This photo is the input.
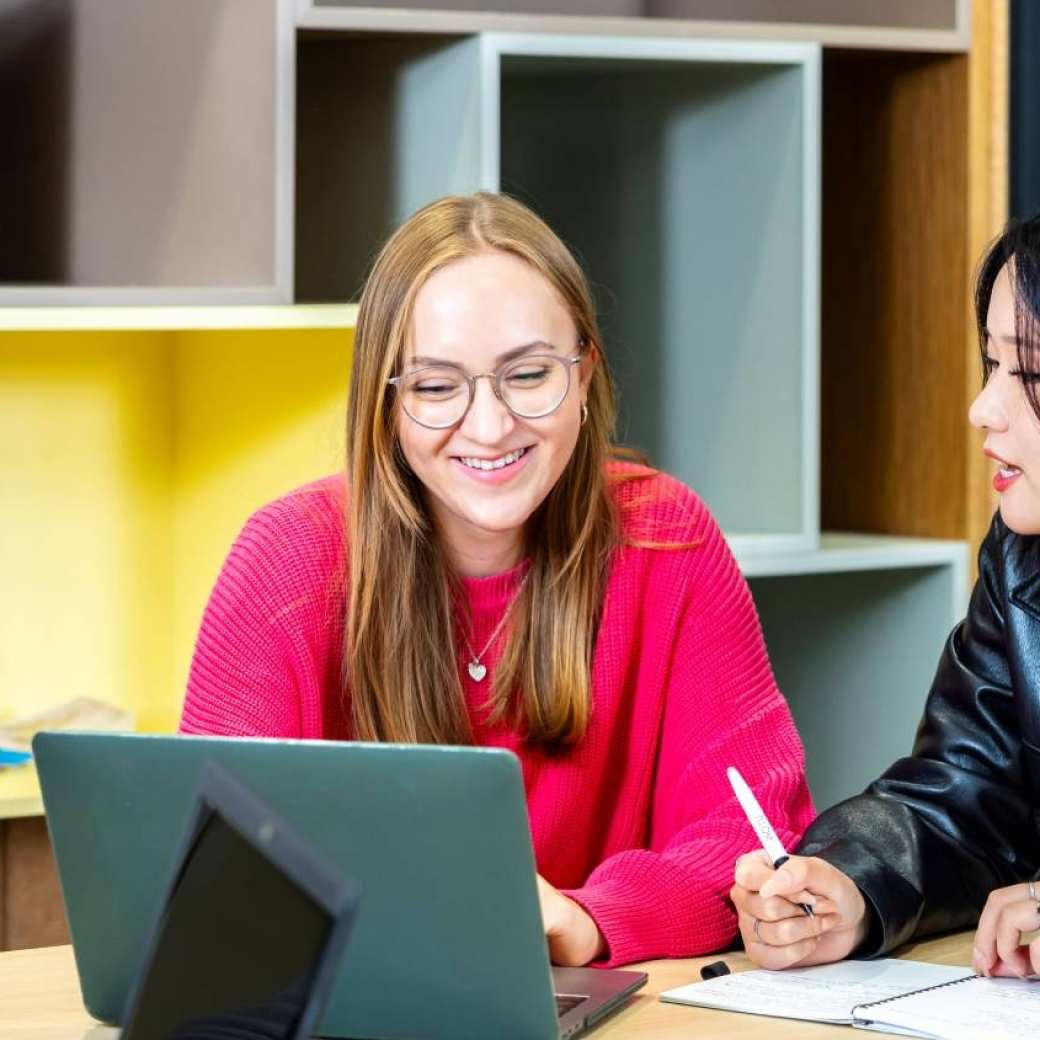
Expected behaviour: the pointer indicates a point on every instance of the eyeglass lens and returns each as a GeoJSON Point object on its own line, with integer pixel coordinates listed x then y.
{"type": "Point", "coordinates": [530, 387]}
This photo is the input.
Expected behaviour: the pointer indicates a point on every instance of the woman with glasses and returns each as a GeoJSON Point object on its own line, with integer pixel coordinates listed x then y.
{"type": "Point", "coordinates": [490, 572]}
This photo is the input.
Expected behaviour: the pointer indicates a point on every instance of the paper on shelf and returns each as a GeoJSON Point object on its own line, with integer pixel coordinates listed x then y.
{"type": "Point", "coordinates": [81, 713]}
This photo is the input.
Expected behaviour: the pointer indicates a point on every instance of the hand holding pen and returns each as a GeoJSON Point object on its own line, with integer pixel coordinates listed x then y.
{"type": "Point", "coordinates": [792, 910]}
{"type": "Point", "coordinates": [760, 825]}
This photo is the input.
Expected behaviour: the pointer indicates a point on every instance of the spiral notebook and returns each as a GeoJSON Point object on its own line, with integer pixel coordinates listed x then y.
{"type": "Point", "coordinates": [910, 998]}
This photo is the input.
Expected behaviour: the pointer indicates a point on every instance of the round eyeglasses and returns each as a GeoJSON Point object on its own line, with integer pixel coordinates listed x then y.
{"type": "Point", "coordinates": [439, 396]}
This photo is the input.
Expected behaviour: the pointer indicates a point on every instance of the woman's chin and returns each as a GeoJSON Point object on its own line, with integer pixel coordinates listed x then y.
{"type": "Point", "coordinates": [499, 523]}
{"type": "Point", "coordinates": [1020, 512]}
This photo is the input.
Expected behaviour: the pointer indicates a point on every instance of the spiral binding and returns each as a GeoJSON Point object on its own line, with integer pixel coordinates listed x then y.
{"type": "Point", "coordinates": [914, 993]}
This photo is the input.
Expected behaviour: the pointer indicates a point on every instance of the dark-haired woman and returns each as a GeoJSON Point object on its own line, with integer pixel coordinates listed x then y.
{"type": "Point", "coordinates": [489, 572]}
{"type": "Point", "coordinates": [953, 831]}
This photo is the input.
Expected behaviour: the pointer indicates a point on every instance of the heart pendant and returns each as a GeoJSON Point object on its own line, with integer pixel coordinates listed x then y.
{"type": "Point", "coordinates": [476, 671]}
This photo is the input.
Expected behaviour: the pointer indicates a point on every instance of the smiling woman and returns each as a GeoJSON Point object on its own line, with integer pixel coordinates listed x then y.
{"type": "Point", "coordinates": [516, 431]}
{"type": "Point", "coordinates": [491, 570]}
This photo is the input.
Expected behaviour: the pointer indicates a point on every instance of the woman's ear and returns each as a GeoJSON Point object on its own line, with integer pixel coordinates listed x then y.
{"type": "Point", "coordinates": [589, 361]}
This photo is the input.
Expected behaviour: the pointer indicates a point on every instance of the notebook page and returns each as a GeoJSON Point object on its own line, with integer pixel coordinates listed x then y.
{"type": "Point", "coordinates": [826, 993]}
{"type": "Point", "coordinates": [977, 1009]}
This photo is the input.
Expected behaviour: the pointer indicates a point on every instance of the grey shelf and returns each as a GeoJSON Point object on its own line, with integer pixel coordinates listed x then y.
{"type": "Point", "coordinates": [149, 147]}
{"type": "Point", "coordinates": [683, 172]}
{"type": "Point", "coordinates": [147, 152]}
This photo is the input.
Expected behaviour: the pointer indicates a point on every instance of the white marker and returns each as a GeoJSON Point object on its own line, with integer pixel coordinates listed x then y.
{"type": "Point", "coordinates": [760, 825]}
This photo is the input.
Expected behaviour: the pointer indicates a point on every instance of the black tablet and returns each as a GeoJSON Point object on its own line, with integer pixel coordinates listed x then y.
{"type": "Point", "coordinates": [251, 930]}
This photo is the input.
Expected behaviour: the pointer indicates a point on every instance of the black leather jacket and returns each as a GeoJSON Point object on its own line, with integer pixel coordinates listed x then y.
{"type": "Point", "coordinates": [928, 841]}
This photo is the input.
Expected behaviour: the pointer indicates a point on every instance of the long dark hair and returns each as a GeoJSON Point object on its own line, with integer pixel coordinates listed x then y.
{"type": "Point", "coordinates": [1020, 242]}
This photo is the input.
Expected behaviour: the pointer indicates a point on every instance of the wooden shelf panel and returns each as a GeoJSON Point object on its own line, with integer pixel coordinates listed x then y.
{"type": "Point", "coordinates": [895, 291]}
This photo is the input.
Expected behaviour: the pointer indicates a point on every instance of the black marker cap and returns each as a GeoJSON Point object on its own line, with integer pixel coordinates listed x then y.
{"type": "Point", "coordinates": [714, 970]}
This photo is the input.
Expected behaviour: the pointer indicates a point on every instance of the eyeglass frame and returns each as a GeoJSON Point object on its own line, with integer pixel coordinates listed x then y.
{"type": "Point", "coordinates": [494, 377]}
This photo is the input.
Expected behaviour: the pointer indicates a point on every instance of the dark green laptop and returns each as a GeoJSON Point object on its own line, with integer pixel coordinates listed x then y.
{"type": "Point", "coordinates": [448, 941]}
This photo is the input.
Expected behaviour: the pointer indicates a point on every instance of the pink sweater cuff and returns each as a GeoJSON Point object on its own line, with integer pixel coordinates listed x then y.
{"type": "Point", "coordinates": [638, 924]}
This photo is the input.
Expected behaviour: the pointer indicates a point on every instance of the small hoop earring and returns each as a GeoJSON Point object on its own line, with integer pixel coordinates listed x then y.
{"type": "Point", "coordinates": [584, 413]}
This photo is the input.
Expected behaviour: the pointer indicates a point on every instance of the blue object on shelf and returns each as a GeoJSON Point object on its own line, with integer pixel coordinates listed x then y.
{"type": "Point", "coordinates": [12, 757]}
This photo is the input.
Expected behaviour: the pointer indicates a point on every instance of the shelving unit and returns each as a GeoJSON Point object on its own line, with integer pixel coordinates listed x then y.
{"type": "Point", "coordinates": [779, 218]}
{"type": "Point", "coordinates": [154, 148]}
{"type": "Point", "coordinates": [635, 151]}
{"type": "Point", "coordinates": [138, 444]}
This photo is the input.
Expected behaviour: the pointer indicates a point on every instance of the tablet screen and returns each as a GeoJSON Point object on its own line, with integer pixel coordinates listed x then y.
{"type": "Point", "coordinates": [236, 948]}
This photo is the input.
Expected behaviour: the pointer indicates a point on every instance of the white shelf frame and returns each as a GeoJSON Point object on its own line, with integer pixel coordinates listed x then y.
{"type": "Point", "coordinates": [841, 551]}
{"type": "Point", "coordinates": [174, 319]}
{"type": "Point", "coordinates": [311, 16]}
{"type": "Point", "coordinates": [846, 553]}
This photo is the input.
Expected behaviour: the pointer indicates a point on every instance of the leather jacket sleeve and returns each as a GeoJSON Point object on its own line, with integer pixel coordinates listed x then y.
{"type": "Point", "coordinates": [929, 840]}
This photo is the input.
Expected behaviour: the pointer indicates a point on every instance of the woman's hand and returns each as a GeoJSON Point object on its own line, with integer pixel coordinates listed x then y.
{"type": "Point", "coordinates": [777, 933]}
{"type": "Point", "coordinates": [1008, 913]}
{"type": "Point", "coordinates": [574, 938]}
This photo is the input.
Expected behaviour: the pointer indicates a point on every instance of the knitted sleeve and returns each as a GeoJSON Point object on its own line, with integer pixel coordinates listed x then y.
{"type": "Point", "coordinates": [723, 709]}
{"type": "Point", "coordinates": [268, 632]}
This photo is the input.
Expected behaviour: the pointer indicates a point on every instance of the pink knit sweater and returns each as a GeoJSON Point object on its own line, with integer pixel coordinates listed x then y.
{"type": "Point", "coordinates": [638, 822]}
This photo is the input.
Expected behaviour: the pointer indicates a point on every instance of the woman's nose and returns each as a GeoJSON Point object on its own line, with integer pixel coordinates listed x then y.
{"type": "Point", "coordinates": [988, 411]}
{"type": "Point", "coordinates": [488, 419]}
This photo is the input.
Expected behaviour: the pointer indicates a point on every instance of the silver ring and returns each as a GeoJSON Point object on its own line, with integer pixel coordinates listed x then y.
{"type": "Point", "coordinates": [754, 928]}
{"type": "Point", "coordinates": [1032, 891]}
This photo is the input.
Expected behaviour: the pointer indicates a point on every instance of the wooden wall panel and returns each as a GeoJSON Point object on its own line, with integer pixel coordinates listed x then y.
{"type": "Point", "coordinates": [988, 144]}
{"type": "Point", "coordinates": [3, 890]}
{"type": "Point", "coordinates": [894, 282]}
{"type": "Point", "coordinates": [915, 187]}
{"type": "Point", "coordinates": [33, 914]}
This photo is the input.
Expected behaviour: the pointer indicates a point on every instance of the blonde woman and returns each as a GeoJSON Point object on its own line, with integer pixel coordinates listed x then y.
{"type": "Point", "coordinates": [489, 572]}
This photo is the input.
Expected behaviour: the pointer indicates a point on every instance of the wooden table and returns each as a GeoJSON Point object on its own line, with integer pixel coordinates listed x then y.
{"type": "Point", "coordinates": [39, 1000]}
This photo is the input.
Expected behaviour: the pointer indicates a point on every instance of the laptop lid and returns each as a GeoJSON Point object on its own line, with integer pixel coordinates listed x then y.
{"type": "Point", "coordinates": [251, 930]}
{"type": "Point", "coordinates": [449, 941]}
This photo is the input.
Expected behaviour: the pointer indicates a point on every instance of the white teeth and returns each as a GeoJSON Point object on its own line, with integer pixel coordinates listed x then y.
{"type": "Point", "coordinates": [505, 460]}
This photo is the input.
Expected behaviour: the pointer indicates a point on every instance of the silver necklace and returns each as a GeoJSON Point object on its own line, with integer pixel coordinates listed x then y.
{"type": "Point", "coordinates": [478, 671]}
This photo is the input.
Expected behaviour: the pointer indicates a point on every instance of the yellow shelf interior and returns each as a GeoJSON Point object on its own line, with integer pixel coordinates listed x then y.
{"type": "Point", "coordinates": [131, 459]}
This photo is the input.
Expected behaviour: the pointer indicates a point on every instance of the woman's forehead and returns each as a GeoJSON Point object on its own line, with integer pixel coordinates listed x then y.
{"type": "Point", "coordinates": [485, 306]}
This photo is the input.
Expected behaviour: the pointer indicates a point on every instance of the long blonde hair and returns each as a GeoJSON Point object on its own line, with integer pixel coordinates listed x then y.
{"type": "Point", "coordinates": [401, 659]}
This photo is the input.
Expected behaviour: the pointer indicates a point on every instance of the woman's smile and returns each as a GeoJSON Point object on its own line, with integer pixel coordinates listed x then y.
{"type": "Point", "coordinates": [1006, 473]}
{"type": "Point", "coordinates": [497, 469]}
